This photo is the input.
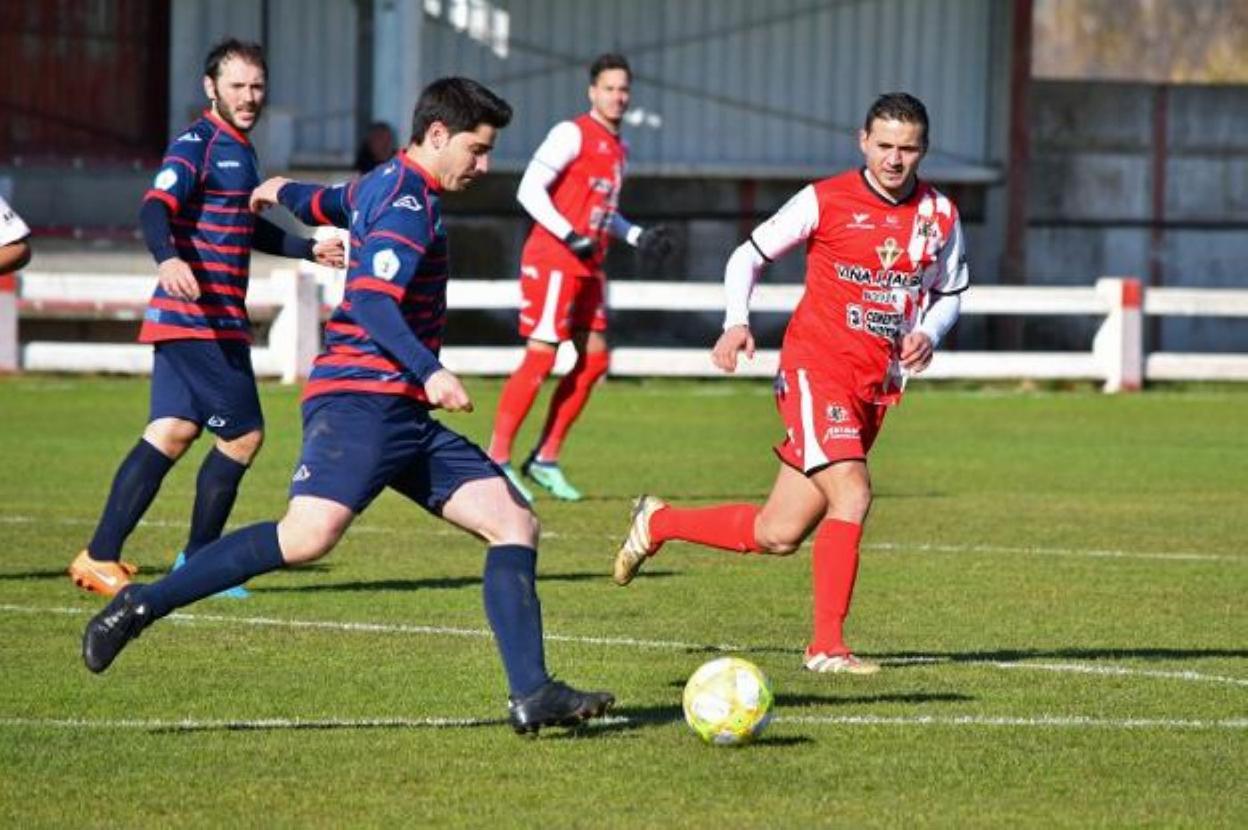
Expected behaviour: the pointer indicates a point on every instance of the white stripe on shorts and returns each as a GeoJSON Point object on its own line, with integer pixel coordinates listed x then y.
{"type": "Point", "coordinates": [812, 453]}
{"type": "Point", "coordinates": [545, 328]}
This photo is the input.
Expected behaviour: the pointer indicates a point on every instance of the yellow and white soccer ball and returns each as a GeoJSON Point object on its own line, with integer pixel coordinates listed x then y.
{"type": "Point", "coordinates": [728, 701]}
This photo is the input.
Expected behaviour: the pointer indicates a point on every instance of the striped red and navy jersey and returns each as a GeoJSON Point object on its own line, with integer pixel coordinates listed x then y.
{"type": "Point", "coordinates": [399, 256]}
{"type": "Point", "coordinates": [206, 177]}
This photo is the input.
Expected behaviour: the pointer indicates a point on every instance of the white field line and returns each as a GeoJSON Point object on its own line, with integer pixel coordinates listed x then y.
{"type": "Point", "coordinates": [890, 547]}
{"type": "Point", "coordinates": [673, 645]}
{"type": "Point", "coordinates": [395, 628]}
{"type": "Point", "coordinates": [1042, 721]}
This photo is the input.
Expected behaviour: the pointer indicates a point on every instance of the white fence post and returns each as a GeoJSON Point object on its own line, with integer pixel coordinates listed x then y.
{"type": "Point", "coordinates": [9, 349]}
{"type": "Point", "coordinates": [295, 336]}
{"type": "Point", "coordinates": [1119, 343]}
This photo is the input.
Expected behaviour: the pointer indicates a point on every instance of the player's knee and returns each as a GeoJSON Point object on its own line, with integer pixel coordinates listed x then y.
{"type": "Point", "coordinates": [852, 507]}
{"type": "Point", "coordinates": [244, 448]}
{"type": "Point", "coordinates": [305, 540]}
{"type": "Point", "coordinates": [171, 436]}
{"type": "Point", "coordinates": [776, 541]}
{"type": "Point", "coordinates": [515, 525]}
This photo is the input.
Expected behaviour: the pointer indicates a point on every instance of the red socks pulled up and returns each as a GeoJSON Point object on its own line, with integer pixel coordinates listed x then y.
{"type": "Point", "coordinates": [518, 395]}
{"type": "Point", "coordinates": [725, 526]}
{"type": "Point", "coordinates": [834, 571]}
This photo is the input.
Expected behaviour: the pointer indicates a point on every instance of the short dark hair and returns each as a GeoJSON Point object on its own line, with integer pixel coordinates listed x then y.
{"type": "Point", "coordinates": [898, 106]}
{"type": "Point", "coordinates": [462, 104]}
{"type": "Point", "coordinates": [252, 53]}
{"type": "Point", "coordinates": [609, 60]}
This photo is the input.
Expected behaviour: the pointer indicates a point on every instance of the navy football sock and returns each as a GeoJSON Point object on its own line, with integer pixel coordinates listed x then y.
{"type": "Point", "coordinates": [515, 615]}
{"type": "Point", "coordinates": [216, 487]}
{"type": "Point", "coordinates": [229, 561]}
{"type": "Point", "coordinates": [135, 485]}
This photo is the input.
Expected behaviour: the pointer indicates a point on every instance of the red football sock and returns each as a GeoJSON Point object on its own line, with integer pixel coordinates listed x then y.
{"type": "Point", "coordinates": [517, 398]}
{"type": "Point", "coordinates": [725, 526]}
{"type": "Point", "coordinates": [569, 399]}
{"type": "Point", "coordinates": [835, 567]}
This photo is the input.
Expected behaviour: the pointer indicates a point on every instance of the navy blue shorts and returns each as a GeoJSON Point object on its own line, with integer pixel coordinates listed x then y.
{"type": "Point", "coordinates": [356, 445]}
{"type": "Point", "coordinates": [208, 382]}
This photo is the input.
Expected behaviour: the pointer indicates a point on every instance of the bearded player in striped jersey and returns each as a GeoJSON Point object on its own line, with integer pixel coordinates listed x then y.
{"type": "Point", "coordinates": [885, 266]}
{"type": "Point", "coordinates": [366, 410]}
{"type": "Point", "coordinates": [570, 189]}
{"type": "Point", "coordinates": [200, 232]}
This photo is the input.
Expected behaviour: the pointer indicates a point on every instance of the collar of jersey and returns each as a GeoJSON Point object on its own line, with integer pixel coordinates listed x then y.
{"type": "Point", "coordinates": [229, 128]}
{"type": "Point", "coordinates": [593, 120]}
{"type": "Point", "coordinates": [422, 172]}
{"type": "Point", "coordinates": [866, 183]}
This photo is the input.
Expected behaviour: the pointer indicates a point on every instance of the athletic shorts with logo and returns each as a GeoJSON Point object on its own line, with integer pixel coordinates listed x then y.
{"type": "Point", "coordinates": [207, 382]}
{"type": "Point", "coordinates": [824, 422]}
{"type": "Point", "coordinates": [356, 445]}
{"type": "Point", "coordinates": [553, 304]}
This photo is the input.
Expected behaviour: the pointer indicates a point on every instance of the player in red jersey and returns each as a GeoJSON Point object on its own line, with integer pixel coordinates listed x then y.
{"type": "Point", "coordinates": [571, 189]}
{"type": "Point", "coordinates": [884, 270]}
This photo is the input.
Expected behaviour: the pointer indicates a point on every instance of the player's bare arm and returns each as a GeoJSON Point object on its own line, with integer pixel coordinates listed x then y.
{"type": "Point", "coordinates": [734, 341]}
{"type": "Point", "coordinates": [445, 390]}
{"type": "Point", "coordinates": [177, 279]}
{"type": "Point", "coordinates": [265, 196]}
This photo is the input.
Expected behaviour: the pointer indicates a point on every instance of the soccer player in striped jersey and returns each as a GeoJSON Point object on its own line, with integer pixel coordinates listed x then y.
{"type": "Point", "coordinates": [571, 189]}
{"type": "Point", "coordinates": [198, 227]}
{"type": "Point", "coordinates": [885, 266]}
{"type": "Point", "coordinates": [366, 421]}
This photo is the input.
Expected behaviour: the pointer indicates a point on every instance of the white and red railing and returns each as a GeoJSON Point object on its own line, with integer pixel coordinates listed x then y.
{"type": "Point", "coordinates": [295, 303]}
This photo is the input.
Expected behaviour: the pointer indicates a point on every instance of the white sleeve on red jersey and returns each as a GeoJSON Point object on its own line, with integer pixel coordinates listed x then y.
{"type": "Point", "coordinates": [559, 149]}
{"type": "Point", "coordinates": [951, 278]}
{"type": "Point", "coordinates": [12, 228]}
{"type": "Point", "coordinates": [787, 228]}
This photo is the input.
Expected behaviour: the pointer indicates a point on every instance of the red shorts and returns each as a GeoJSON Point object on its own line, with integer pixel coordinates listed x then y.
{"type": "Point", "coordinates": [824, 422]}
{"type": "Point", "coordinates": [554, 304]}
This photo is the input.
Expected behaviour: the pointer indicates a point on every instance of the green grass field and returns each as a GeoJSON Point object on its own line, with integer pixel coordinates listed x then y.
{"type": "Point", "coordinates": [1054, 580]}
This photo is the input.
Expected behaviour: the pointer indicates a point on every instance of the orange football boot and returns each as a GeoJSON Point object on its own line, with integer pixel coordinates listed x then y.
{"type": "Point", "coordinates": [100, 576]}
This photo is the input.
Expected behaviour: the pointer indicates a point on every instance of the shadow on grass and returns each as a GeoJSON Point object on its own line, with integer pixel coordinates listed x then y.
{"type": "Point", "coordinates": [432, 584]}
{"type": "Point", "coordinates": [908, 659]}
{"type": "Point", "coordinates": [147, 573]}
{"type": "Point", "coordinates": [756, 496]}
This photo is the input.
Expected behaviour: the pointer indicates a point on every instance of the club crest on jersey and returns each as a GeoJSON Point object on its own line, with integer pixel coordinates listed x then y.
{"type": "Point", "coordinates": [166, 179]}
{"type": "Point", "coordinates": [604, 146]}
{"type": "Point", "coordinates": [407, 202]}
{"type": "Point", "coordinates": [385, 264]}
{"type": "Point", "coordinates": [892, 221]}
{"type": "Point", "coordinates": [888, 253]}
{"type": "Point", "coordinates": [836, 414]}
{"type": "Point", "coordinates": [860, 222]}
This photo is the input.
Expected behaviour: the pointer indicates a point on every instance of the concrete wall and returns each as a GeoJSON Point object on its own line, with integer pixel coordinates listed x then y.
{"type": "Point", "coordinates": [1091, 204]}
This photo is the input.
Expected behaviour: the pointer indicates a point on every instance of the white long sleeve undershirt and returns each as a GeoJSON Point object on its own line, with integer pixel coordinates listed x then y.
{"type": "Point", "coordinates": [792, 225]}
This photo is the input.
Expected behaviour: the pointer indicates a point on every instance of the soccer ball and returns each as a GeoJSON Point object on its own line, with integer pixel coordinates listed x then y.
{"type": "Point", "coordinates": [728, 701]}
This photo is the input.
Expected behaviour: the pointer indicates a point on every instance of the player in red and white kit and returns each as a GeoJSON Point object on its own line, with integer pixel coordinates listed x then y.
{"type": "Point", "coordinates": [885, 266]}
{"type": "Point", "coordinates": [571, 189]}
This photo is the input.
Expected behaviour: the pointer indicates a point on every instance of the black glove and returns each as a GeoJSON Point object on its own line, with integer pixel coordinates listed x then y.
{"type": "Point", "coordinates": [656, 243]}
{"type": "Point", "coordinates": [582, 247]}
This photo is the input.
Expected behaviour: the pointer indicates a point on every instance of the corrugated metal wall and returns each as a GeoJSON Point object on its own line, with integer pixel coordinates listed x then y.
{"type": "Point", "coordinates": [732, 85]}
{"type": "Point", "coordinates": [311, 52]}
